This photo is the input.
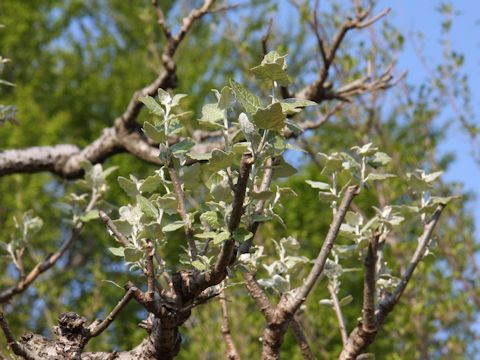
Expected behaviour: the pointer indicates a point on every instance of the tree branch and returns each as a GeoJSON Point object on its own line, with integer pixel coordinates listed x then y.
{"type": "Point", "coordinates": [361, 337]}
{"type": "Point", "coordinates": [232, 352]}
{"type": "Point", "coordinates": [301, 294]}
{"type": "Point", "coordinates": [301, 340]}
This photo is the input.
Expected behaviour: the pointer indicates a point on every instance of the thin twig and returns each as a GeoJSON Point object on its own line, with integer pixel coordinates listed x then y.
{"type": "Point", "coordinates": [302, 293]}
{"type": "Point", "coordinates": [111, 226]}
{"type": "Point", "coordinates": [338, 312]}
{"type": "Point", "coordinates": [232, 352]}
{"type": "Point", "coordinates": [301, 339]}
{"type": "Point", "coordinates": [97, 328]}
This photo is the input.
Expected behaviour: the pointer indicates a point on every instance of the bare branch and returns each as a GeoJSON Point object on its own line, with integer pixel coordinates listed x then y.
{"type": "Point", "coordinates": [98, 327]}
{"type": "Point", "coordinates": [369, 288]}
{"type": "Point", "coordinates": [302, 293]}
{"type": "Point", "coordinates": [361, 337]}
{"type": "Point", "coordinates": [49, 261]}
{"type": "Point", "coordinates": [338, 312]}
{"type": "Point", "coordinates": [111, 226]}
{"type": "Point", "coordinates": [257, 294]}
{"type": "Point", "coordinates": [301, 340]}
{"type": "Point", "coordinates": [232, 352]}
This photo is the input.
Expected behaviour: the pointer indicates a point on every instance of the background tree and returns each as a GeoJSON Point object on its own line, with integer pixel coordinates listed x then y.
{"type": "Point", "coordinates": [88, 60]}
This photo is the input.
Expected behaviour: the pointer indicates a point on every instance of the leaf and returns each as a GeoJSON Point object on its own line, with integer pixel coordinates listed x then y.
{"type": "Point", "coordinates": [375, 176]}
{"type": "Point", "coordinates": [152, 105]}
{"type": "Point", "coordinates": [326, 302]}
{"type": "Point", "coordinates": [293, 106]}
{"type": "Point", "coordinates": [133, 255]}
{"type": "Point", "coordinates": [346, 300]}
{"type": "Point", "coordinates": [206, 235]}
{"type": "Point", "coordinates": [164, 97]}
{"type": "Point", "coordinates": [433, 176]}
{"type": "Point", "coordinates": [220, 160]}
{"type": "Point", "coordinates": [200, 157]}
{"type": "Point", "coordinates": [128, 186]}
{"type": "Point", "coordinates": [271, 117]}
{"type": "Point", "coordinates": [241, 235]}
{"type": "Point", "coordinates": [281, 284]}
{"type": "Point", "coordinates": [117, 251]}
{"type": "Point", "coordinates": [173, 226]}
{"type": "Point", "coordinates": [249, 130]}
{"type": "Point", "coordinates": [199, 265]}
{"type": "Point", "coordinates": [221, 237]}
{"type": "Point", "coordinates": [283, 169]}
{"type": "Point", "coordinates": [210, 218]}
{"type": "Point", "coordinates": [176, 99]}
{"type": "Point", "coordinates": [182, 146]}
{"type": "Point", "coordinates": [212, 115]}
{"type": "Point", "coordinates": [354, 219]}
{"type": "Point", "coordinates": [147, 207]}
{"type": "Point", "coordinates": [250, 102]}
{"type": "Point", "coordinates": [327, 196]}
{"type": "Point", "coordinates": [225, 98]}
{"type": "Point", "coordinates": [91, 215]}
{"type": "Point", "coordinates": [365, 150]}
{"type": "Point", "coordinates": [154, 133]}
{"type": "Point", "coordinates": [379, 159]}
{"type": "Point", "coordinates": [150, 184]}
{"type": "Point", "coordinates": [318, 185]}
{"type": "Point", "coordinates": [262, 195]}
{"type": "Point", "coordinates": [168, 203]}
{"type": "Point", "coordinates": [272, 68]}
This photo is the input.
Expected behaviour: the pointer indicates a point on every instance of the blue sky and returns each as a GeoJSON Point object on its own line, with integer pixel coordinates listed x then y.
{"type": "Point", "coordinates": [412, 16]}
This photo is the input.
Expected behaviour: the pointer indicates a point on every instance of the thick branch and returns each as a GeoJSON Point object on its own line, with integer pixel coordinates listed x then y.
{"type": "Point", "coordinates": [301, 340]}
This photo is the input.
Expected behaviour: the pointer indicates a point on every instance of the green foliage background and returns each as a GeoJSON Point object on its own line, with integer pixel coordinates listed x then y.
{"type": "Point", "coordinates": [77, 63]}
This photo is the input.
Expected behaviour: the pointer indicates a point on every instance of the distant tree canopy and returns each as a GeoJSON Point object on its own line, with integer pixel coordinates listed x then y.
{"type": "Point", "coordinates": [296, 211]}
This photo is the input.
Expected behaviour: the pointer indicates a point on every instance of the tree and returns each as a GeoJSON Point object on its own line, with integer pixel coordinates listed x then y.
{"type": "Point", "coordinates": [214, 189]}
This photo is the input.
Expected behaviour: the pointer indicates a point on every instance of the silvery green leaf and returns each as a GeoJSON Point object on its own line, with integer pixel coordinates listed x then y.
{"type": "Point", "coordinates": [318, 185]}
{"type": "Point", "coordinates": [150, 184]}
{"type": "Point", "coordinates": [133, 255]}
{"type": "Point", "coordinates": [176, 99]}
{"type": "Point", "coordinates": [221, 237]}
{"type": "Point", "coordinates": [292, 106]}
{"type": "Point", "coordinates": [375, 176]}
{"type": "Point", "coordinates": [225, 98]}
{"type": "Point", "coordinates": [147, 207]}
{"type": "Point", "coordinates": [354, 219]}
{"type": "Point", "coordinates": [249, 130]}
{"type": "Point", "coordinates": [168, 203]}
{"type": "Point", "coordinates": [200, 157]}
{"type": "Point", "coordinates": [327, 196]}
{"type": "Point", "coordinates": [291, 261]}
{"type": "Point", "coordinates": [241, 235]}
{"type": "Point", "coordinates": [365, 150]}
{"type": "Point", "coordinates": [293, 127]}
{"type": "Point", "coordinates": [379, 159]}
{"type": "Point", "coordinates": [173, 226]}
{"type": "Point", "coordinates": [432, 176]}
{"type": "Point", "coordinates": [157, 134]}
{"type": "Point", "coordinates": [165, 154]}
{"type": "Point", "coordinates": [249, 101]}
{"type": "Point", "coordinates": [91, 215]}
{"type": "Point", "coordinates": [272, 72]}
{"type": "Point", "coordinates": [283, 169]}
{"type": "Point", "coordinates": [280, 283]}
{"type": "Point", "coordinates": [206, 235]}
{"type": "Point", "coordinates": [128, 186]}
{"type": "Point", "coordinates": [262, 195]}
{"type": "Point", "coordinates": [271, 117]}
{"type": "Point", "coordinates": [152, 105]}
{"type": "Point", "coordinates": [417, 182]}
{"type": "Point", "coordinates": [117, 251]}
{"type": "Point", "coordinates": [331, 164]}
{"type": "Point", "coordinates": [124, 227]}
{"type": "Point", "coordinates": [212, 114]}
{"type": "Point", "coordinates": [346, 300]}
{"type": "Point", "coordinates": [210, 218]}
{"type": "Point", "coordinates": [326, 302]}
{"type": "Point", "coordinates": [164, 97]}
{"type": "Point", "coordinates": [182, 147]}
{"type": "Point", "coordinates": [131, 214]}
{"type": "Point", "coordinates": [199, 265]}
{"type": "Point", "coordinates": [220, 160]}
